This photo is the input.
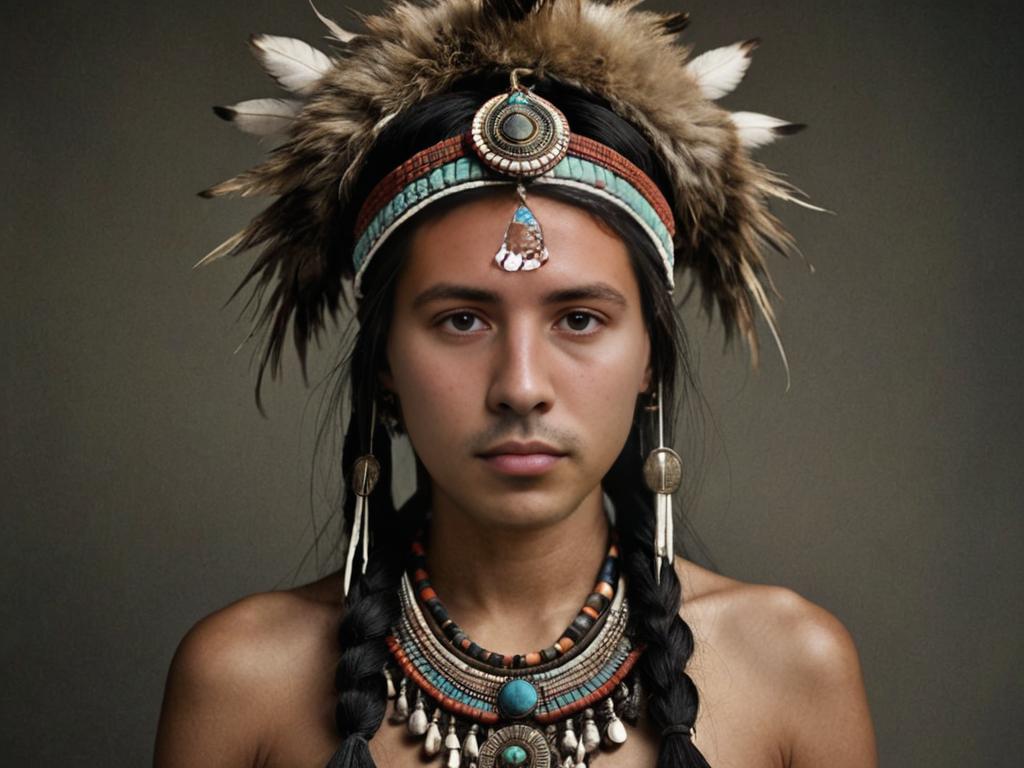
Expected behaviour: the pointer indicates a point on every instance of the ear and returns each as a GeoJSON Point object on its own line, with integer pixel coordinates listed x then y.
{"type": "Point", "coordinates": [645, 382]}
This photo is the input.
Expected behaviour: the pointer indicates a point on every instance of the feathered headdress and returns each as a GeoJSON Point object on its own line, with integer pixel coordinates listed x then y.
{"type": "Point", "coordinates": [341, 102]}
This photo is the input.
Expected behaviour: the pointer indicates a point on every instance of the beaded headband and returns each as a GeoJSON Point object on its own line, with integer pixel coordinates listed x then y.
{"type": "Point", "coordinates": [452, 166]}
{"type": "Point", "coordinates": [339, 105]}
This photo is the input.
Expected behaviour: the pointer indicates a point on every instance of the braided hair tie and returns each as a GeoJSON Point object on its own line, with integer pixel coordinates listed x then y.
{"type": "Point", "coordinates": [680, 730]}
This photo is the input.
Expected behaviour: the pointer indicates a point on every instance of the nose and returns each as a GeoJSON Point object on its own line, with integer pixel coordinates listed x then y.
{"type": "Point", "coordinates": [521, 379]}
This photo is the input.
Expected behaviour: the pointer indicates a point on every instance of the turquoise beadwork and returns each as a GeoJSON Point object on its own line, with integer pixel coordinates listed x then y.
{"type": "Point", "coordinates": [513, 756]}
{"type": "Point", "coordinates": [517, 698]}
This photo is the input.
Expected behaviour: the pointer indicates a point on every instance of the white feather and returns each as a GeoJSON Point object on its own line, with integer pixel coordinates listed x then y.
{"type": "Point", "coordinates": [720, 70]}
{"type": "Point", "coordinates": [263, 117]}
{"type": "Point", "coordinates": [295, 64]}
{"type": "Point", "coordinates": [756, 130]}
{"type": "Point", "coordinates": [228, 246]}
{"type": "Point", "coordinates": [339, 34]}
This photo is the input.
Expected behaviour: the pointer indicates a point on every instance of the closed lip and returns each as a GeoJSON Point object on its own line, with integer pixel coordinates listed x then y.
{"type": "Point", "coordinates": [532, 448]}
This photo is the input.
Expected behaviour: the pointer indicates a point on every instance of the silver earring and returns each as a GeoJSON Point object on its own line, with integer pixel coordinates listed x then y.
{"type": "Point", "coordinates": [365, 474]}
{"type": "Point", "coordinates": [663, 473]}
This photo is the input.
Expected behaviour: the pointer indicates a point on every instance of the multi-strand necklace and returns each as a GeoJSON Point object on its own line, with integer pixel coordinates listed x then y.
{"type": "Point", "coordinates": [553, 708]}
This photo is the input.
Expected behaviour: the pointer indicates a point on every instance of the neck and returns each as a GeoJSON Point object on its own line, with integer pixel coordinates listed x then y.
{"type": "Point", "coordinates": [516, 590]}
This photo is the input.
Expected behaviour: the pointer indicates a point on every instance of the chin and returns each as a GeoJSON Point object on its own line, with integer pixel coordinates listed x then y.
{"type": "Point", "coordinates": [519, 508]}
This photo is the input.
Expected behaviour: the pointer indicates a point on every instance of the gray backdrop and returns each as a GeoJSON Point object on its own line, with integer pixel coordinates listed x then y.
{"type": "Point", "coordinates": [141, 490]}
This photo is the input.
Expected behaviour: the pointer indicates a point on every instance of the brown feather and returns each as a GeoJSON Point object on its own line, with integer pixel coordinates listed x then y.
{"type": "Point", "coordinates": [414, 50]}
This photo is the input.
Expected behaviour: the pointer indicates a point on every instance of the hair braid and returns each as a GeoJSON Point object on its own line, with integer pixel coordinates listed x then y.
{"type": "Point", "coordinates": [371, 608]}
{"type": "Point", "coordinates": [672, 697]}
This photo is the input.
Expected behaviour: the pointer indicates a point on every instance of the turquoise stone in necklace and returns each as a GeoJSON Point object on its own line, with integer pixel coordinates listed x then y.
{"type": "Point", "coordinates": [517, 699]}
{"type": "Point", "coordinates": [513, 756]}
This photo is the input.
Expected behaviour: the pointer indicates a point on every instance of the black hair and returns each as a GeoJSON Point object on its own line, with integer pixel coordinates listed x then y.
{"type": "Point", "coordinates": [372, 605]}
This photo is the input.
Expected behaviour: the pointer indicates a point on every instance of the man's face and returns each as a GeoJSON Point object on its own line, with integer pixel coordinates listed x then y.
{"type": "Point", "coordinates": [517, 389]}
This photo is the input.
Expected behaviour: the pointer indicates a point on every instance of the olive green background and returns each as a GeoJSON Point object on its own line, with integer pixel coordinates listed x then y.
{"type": "Point", "coordinates": [142, 490]}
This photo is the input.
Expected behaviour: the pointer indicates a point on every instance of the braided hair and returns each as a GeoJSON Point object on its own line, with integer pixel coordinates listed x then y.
{"type": "Point", "coordinates": [372, 604]}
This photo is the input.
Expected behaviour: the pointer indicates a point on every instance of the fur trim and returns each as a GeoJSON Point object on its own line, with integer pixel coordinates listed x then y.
{"type": "Point", "coordinates": [414, 50]}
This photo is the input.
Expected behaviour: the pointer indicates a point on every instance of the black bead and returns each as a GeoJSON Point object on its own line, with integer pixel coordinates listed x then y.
{"type": "Point", "coordinates": [582, 623]}
{"type": "Point", "coordinates": [597, 602]}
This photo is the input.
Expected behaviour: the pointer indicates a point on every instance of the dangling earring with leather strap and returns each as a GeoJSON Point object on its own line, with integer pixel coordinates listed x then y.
{"type": "Point", "coordinates": [663, 472]}
{"type": "Point", "coordinates": [365, 474]}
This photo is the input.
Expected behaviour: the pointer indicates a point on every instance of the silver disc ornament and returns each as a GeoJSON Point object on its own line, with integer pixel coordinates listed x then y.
{"type": "Point", "coordinates": [519, 134]}
{"type": "Point", "coordinates": [515, 746]}
{"type": "Point", "coordinates": [663, 471]}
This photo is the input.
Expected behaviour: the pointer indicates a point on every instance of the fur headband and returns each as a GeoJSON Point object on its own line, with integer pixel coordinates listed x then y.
{"type": "Point", "coordinates": [411, 51]}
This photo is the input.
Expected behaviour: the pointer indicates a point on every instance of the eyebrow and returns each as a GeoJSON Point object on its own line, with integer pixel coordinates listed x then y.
{"type": "Point", "coordinates": [598, 291]}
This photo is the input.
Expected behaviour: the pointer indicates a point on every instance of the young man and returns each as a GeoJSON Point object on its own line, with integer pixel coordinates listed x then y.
{"type": "Point", "coordinates": [513, 255]}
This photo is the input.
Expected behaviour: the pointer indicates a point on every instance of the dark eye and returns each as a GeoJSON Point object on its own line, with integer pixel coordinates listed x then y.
{"type": "Point", "coordinates": [462, 322]}
{"type": "Point", "coordinates": [579, 322]}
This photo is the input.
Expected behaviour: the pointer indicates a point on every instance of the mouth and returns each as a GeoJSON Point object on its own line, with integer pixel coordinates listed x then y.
{"type": "Point", "coordinates": [523, 459]}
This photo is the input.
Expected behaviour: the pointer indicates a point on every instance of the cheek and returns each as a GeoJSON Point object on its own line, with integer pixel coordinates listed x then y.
{"type": "Point", "coordinates": [432, 393]}
{"type": "Point", "coordinates": [602, 391]}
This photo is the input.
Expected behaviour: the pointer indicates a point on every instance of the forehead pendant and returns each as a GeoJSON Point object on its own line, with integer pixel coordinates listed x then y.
{"type": "Point", "coordinates": [521, 135]}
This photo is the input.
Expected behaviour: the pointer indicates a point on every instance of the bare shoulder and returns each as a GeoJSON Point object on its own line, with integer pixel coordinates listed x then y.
{"type": "Point", "coordinates": [768, 624]}
{"type": "Point", "coordinates": [258, 635]}
{"type": "Point", "coordinates": [791, 654]}
{"type": "Point", "coordinates": [237, 670]}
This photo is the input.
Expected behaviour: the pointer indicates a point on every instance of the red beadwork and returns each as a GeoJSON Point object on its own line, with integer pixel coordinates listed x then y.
{"type": "Point", "coordinates": [448, 703]}
{"type": "Point", "coordinates": [425, 161]}
{"type": "Point", "coordinates": [558, 714]}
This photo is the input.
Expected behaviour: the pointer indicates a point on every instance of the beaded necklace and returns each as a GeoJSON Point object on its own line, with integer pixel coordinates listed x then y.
{"type": "Point", "coordinates": [513, 710]}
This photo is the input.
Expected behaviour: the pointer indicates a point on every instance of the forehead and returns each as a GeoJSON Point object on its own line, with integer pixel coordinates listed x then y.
{"type": "Point", "coordinates": [457, 244]}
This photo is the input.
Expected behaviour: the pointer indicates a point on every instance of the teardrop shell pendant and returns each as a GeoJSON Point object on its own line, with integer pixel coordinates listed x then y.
{"type": "Point", "coordinates": [522, 248]}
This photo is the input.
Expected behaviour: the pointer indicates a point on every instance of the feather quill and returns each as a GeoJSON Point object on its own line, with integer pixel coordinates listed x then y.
{"type": "Point", "coordinates": [720, 70]}
{"type": "Point", "coordinates": [228, 246]}
{"type": "Point", "coordinates": [757, 130]}
{"type": "Point", "coordinates": [296, 65]}
{"type": "Point", "coordinates": [337, 32]}
{"type": "Point", "coordinates": [261, 117]}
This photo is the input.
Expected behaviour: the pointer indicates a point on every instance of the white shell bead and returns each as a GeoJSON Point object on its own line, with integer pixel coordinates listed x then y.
{"type": "Point", "coordinates": [418, 721]}
{"type": "Point", "coordinates": [432, 742]}
{"type": "Point", "coordinates": [470, 748]}
{"type": "Point", "coordinates": [401, 705]}
{"type": "Point", "coordinates": [451, 740]}
{"type": "Point", "coordinates": [568, 739]}
{"type": "Point", "coordinates": [615, 732]}
{"type": "Point", "coordinates": [591, 735]}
